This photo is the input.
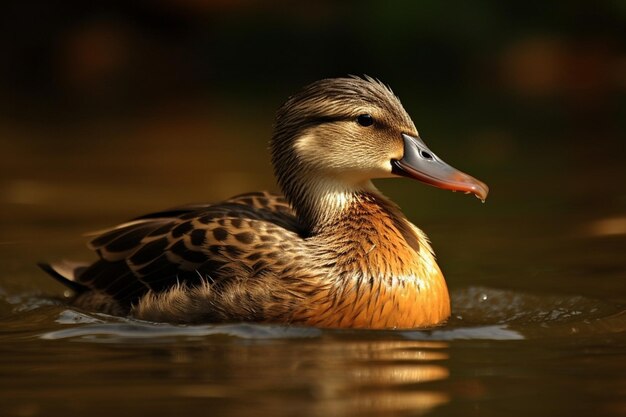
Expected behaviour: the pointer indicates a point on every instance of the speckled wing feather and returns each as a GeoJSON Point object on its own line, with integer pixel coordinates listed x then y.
{"type": "Point", "coordinates": [189, 245]}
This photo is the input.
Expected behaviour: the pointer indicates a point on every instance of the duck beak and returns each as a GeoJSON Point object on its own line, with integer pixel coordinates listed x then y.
{"type": "Point", "coordinates": [421, 164]}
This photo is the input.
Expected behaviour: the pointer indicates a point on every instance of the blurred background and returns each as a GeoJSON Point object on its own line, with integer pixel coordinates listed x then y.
{"type": "Point", "coordinates": [109, 109]}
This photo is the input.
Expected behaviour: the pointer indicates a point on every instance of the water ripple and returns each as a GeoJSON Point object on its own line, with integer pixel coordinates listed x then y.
{"type": "Point", "coordinates": [97, 329]}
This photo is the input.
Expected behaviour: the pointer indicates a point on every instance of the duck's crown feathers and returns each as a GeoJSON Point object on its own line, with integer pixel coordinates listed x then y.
{"type": "Point", "coordinates": [349, 91]}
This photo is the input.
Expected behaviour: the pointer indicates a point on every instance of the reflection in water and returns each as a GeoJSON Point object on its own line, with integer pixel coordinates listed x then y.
{"type": "Point", "coordinates": [341, 377]}
{"type": "Point", "coordinates": [236, 368]}
{"type": "Point", "coordinates": [274, 369]}
{"type": "Point", "coordinates": [381, 376]}
{"type": "Point", "coordinates": [303, 377]}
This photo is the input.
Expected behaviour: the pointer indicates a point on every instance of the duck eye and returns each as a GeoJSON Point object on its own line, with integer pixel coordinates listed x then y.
{"type": "Point", "coordinates": [365, 120]}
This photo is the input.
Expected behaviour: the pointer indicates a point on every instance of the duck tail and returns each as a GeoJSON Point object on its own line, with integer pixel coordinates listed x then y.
{"type": "Point", "coordinates": [67, 273]}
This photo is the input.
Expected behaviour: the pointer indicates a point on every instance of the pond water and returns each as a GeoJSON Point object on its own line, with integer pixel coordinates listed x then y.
{"type": "Point", "coordinates": [537, 277]}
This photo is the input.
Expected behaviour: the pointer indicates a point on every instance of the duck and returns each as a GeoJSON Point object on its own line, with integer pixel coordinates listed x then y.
{"type": "Point", "coordinates": [331, 251]}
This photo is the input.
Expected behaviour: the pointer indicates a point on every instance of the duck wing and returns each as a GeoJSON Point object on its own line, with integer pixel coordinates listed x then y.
{"type": "Point", "coordinates": [184, 245]}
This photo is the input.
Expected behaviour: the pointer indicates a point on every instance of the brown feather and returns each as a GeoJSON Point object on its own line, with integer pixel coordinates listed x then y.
{"type": "Point", "coordinates": [333, 252]}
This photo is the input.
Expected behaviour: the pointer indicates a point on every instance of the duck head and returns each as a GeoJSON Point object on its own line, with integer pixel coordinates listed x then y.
{"type": "Point", "coordinates": [336, 135]}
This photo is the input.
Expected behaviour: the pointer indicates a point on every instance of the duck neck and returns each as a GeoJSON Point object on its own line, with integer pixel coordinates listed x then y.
{"type": "Point", "coordinates": [320, 202]}
{"type": "Point", "coordinates": [324, 206]}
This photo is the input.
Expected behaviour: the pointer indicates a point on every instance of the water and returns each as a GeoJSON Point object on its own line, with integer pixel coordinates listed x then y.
{"type": "Point", "coordinates": [566, 361]}
{"type": "Point", "coordinates": [536, 277]}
